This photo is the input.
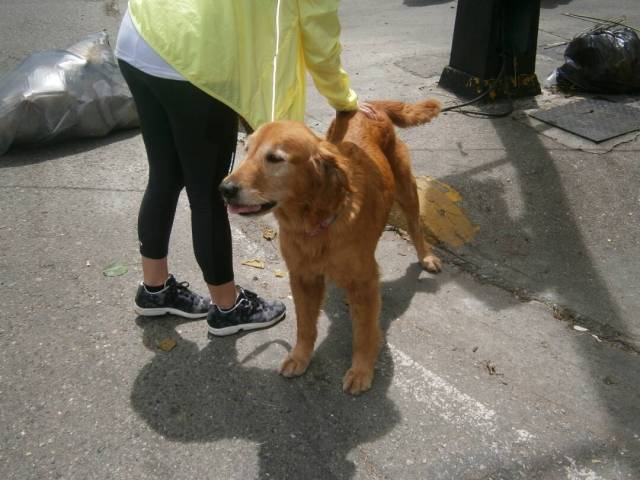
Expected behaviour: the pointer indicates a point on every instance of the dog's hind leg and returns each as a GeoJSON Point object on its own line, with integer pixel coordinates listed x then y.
{"type": "Point", "coordinates": [308, 292]}
{"type": "Point", "coordinates": [364, 302]}
{"type": "Point", "coordinates": [407, 197]}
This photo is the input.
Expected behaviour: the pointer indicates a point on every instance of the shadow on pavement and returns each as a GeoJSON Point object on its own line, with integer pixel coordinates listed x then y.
{"type": "Point", "coordinates": [542, 246]}
{"type": "Point", "coordinates": [304, 428]}
{"type": "Point", "coordinates": [554, 3]}
{"type": "Point", "coordinates": [534, 243]}
{"type": "Point", "coordinates": [23, 155]}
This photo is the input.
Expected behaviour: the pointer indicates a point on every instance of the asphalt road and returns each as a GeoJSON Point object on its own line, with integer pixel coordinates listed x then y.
{"type": "Point", "coordinates": [474, 382]}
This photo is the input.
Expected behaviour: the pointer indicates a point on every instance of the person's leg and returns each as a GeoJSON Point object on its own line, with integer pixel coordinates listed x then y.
{"type": "Point", "coordinates": [160, 292]}
{"type": "Point", "coordinates": [205, 133]}
{"type": "Point", "coordinates": [158, 206]}
{"type": "Point", "coordinates": [154, 272]}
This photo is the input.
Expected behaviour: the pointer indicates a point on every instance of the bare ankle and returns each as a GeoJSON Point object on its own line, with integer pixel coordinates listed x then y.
{"type": "Point", "coordinates": [225, 295]}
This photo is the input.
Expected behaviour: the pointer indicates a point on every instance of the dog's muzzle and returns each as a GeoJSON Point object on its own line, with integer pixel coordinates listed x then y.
{"type": "Point", "coordinates": [230, 193]}
{"type": "Point", "coordinates": [229, 190]}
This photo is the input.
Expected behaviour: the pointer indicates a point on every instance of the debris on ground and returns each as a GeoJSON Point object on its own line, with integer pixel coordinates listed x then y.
{"type": "Point", "coordinates": [269, 233]}
{"type": "Point", "coordinates": [255, 263]}
{"type": "Point", "coordinates": [74, 93]}
{"type": "Point", "coordinates": [114, 270]}
{"type": "Point", "coordinates": [580, 329]}
{"type": "Point", "coordinates": [490, 367]}
{"type": "Point", "coordinates": [609, 380]}
{"type": "Point", "coordinates": [167, 344]}
{"type": "Point", "coordinates": [602, 59]}
{"type": "Point", "coordinates": [280, 273]}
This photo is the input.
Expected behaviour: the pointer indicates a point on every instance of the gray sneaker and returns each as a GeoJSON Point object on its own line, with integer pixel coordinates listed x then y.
{"type": "Point", "coordinates": [250, 312]}
{"type": "Point", "coordinates": [175, 298]}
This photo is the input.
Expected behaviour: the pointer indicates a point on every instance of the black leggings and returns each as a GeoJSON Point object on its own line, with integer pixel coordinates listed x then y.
{"type": "Point", "coordinates": [190, 139]}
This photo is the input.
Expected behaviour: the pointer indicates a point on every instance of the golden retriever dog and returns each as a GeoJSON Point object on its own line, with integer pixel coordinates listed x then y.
{"type": "Point", "coordinates": [332, 199]}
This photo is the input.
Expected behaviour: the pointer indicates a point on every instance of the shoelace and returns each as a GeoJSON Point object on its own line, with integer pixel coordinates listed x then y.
{"type": "Point", "coordinates": [183, 288]}
{"type": "Point", "coordinates": [250, 298]}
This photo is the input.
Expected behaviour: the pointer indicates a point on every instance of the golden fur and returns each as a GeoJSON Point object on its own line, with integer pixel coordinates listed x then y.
{"type": "Point", "coordinates": [332, 199]}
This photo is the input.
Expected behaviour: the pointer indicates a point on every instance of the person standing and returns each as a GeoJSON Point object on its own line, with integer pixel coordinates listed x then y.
{"type": "Point", "coordinates": [193, 67]}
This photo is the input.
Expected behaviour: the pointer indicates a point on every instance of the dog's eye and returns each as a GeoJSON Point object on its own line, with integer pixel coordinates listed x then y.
{"type": "Point", "coordinates": [274, 158]}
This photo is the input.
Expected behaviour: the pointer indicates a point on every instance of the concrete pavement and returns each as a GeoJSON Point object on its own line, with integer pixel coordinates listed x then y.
{"type": "Point", "coordinates": [475, 382]}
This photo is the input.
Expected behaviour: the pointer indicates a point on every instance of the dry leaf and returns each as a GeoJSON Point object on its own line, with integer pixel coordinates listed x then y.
{"type": "Point", "coordinates": [490, 366]}
{"type": "Point", "coordinates": [167, 344]}
{"type": "Point", "coordinates": [280, 273]}
{"type": "Point", "coordinates": [269, 233]}
{"type": "Point", "coordinates": [254, 262]}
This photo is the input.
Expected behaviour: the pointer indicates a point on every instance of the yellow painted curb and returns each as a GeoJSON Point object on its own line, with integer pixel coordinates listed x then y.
{"type": "Point", "coordinates": [441, 217]}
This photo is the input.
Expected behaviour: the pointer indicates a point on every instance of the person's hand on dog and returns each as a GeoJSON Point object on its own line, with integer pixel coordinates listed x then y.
{"type": "Point", "coordinates": [368, 110]}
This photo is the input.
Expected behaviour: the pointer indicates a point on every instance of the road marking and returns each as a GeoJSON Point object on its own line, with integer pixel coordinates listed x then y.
{"type": "Point", "coordinates": [574, 472]}
{"type": "Point", "coordinates": [439, 396]}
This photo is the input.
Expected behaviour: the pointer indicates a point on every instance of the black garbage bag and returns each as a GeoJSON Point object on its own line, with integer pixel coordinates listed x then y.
{"type": "Point", "coordinates": [58, 94]}
{"type": "Point", "coordinates": [604, 61]}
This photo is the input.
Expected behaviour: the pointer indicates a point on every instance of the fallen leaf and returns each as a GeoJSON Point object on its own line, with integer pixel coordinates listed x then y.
{"type": "Point", "coordinates": [114, 270]}
{"type": "Point", "coordinates": [255, 263]}
{"type": "Point", "coordinates": [280, 273]}
{"type": "Point", "coordinates": [490, 366]}
{"type": "Point", "coordinates": [167, 344]}
{"type": "Point", "coordinates": [580, 329]}
{"type": "Point", "coordinates": [269, 233]}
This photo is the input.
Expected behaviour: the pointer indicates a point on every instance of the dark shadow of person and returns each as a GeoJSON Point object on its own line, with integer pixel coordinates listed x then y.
{"type": "Point", "coordinates": [305, 427]}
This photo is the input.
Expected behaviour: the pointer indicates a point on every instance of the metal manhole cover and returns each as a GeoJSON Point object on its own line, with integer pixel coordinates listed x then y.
{"type": "Point", "coordinates": [596, 120]}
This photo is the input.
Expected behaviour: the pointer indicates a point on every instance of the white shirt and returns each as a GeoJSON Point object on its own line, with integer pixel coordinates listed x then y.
{"type": "Point", "coordinates": [133, 49]}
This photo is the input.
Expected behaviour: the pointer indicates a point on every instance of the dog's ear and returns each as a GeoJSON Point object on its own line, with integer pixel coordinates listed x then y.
{"type": "Point", "coordinates": [326, 165]}
{"type": "Point", "coordinates": [323, 157]}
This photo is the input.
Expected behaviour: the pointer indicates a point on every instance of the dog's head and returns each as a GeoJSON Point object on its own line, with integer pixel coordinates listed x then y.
{"type": "Point", "coordinates": [285, 162]}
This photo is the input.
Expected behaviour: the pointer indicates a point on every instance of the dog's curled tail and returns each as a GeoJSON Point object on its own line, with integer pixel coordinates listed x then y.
{"type": "Point", "coordinates": [405, 115]}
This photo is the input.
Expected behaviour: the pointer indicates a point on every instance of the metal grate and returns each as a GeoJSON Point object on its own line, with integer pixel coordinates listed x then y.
{"type": "Point", "coordinates": [595, 120]}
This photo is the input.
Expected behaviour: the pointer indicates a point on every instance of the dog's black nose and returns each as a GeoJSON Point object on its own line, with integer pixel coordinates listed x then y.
{"type": "Point", "coordinates": [229, 189]}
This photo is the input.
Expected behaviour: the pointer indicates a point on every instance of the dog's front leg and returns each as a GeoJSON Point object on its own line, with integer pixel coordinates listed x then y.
{"type": "Point", "coordinates": [308, 292]}
{"type": "Point", "coordinates": [364, 302]}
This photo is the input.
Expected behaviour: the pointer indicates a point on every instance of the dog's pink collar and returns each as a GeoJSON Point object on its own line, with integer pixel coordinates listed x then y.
{"type": "Point", "coordinates": [323, 225]}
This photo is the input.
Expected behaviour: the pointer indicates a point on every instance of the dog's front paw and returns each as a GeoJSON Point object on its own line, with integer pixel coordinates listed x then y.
{"type": "Point", "coordinates": [357, 381]}
{"type": "Point", "coordinates": [432, 264]}
{"type": "Point", "coordinates": [293, 367]}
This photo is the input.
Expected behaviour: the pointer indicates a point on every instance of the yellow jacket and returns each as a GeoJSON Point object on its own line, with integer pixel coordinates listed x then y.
{"type": "Point", "coordinates": [251, 54]}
